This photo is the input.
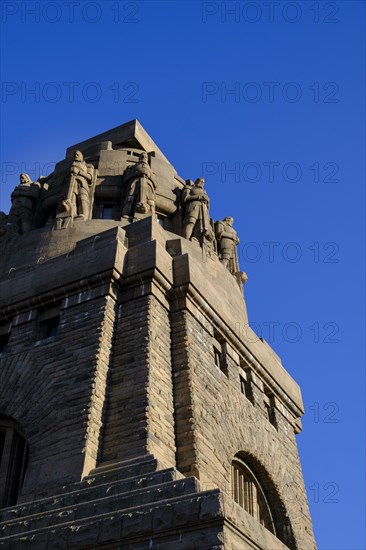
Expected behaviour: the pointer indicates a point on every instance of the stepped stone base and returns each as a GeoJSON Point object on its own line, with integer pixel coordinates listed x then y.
{"type": "Point", "coordinates": [133, 505]}
{"type": "Point", "coordinates": [125, 505]}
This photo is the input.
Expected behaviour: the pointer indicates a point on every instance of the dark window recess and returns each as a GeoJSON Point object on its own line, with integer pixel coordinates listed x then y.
{"type": "Point", "coordinates": [246, 388]}
{"type": "Point", "coordinates": [107, 213]}
{"type": "Point", "coordinates": [14, 456]}
{"type": "Point", "coordinates": [48, 328]}
{"type": "Point", "coordinates": [48, 322]}
{"type": "Point", "coordinates": [2, 442]}
{"type": "Point", "coordinates": [103, 211]}
{"type": "Point", "coordinates": [4, 340]}
{"type": "Point", "coordinates": [219, 349]}
{"type": "Point", "coordinates": [246, 384]}
{"type": "Point", "coordinates": [218, 357]}
{"type": "Point", "coordinates": [269, 403]}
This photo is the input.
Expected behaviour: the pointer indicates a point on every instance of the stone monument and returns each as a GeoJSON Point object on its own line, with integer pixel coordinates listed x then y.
{"type": "Point", "coordinates": [77, 196]}
{"type": "Point", "coordinates": [137, 407]}
{"type": "Point", "coordinates": [141, 186]}
{"type": "Point", "coordinates": [23, 199]}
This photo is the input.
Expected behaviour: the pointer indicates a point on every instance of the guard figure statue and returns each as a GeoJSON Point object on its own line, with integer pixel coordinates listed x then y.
{"type": "Point", "coordinates": [23, 199]}
{"type": "Point", "coordinates": [141, 187]}
{"type": "Point", "coordinates": [227, 241]}
{"type": "Point", "coordinates": [76, 199]}
{"type": "Point", "coordinates": [197, 223]}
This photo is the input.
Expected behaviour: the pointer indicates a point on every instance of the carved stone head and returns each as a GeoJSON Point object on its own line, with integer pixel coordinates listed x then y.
{"type": "Point", "coordinates": [24, 179]}
{"type": "Point", "coordinates": [144, 157]}
{"type": "Point", "coordinates": [200, 182]}
{"type": "Point", "coordinates": [229, 220]}
{"type": "Point", "coordinates": [78, 155]}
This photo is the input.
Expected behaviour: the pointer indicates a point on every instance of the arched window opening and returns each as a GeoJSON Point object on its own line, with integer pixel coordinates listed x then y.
{"type": "Point", "coordinates": [254, 490]}
{"type": "Point", "coordinates": [248, 493]}
{"type": "Point", "coordinates": [13, 461]}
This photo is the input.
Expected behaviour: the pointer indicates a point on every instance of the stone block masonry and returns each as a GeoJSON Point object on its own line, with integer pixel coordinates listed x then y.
{"type": "Point", "coordinates": [135, 412]}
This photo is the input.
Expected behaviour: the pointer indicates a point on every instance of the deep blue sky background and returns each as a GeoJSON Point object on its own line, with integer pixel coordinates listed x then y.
{"type": "Point", "coordinates": [163, 57]}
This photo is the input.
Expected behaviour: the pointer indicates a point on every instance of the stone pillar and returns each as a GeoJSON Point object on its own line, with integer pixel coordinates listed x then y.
{"type": "Point", "coordinates": [139, 417]}
{"type": "Point", "coordinates": [183, 404]}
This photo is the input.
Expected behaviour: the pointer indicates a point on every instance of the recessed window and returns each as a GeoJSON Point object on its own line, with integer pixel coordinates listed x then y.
{"type": "Point", "coordinates": [13, 461]}
{"type": "Point", "coordinates": [219, 350]}
{"type": "Point", "coordinates": [5, 329]}
{"type": "Point", "coordinates": [2, 442]}
{"type": "Point", "coordinates": [246, 384]}
{"type": "Point", "coordinates": [218, 356]}
{"type": "Point", "coordinates": [107, 213]}
{"type": "Point", "coordinates": [270, 406]}
{"type": "Point", "coordinates": [248, 493]}
{"type": "Point", "coordinates": [103, 211]}
{"type": "Point", "coordinates": [48, 328]}
{"type": "Point", "coordinates": [4, 340]}
{"type": "Point", "coordinates": [48, 323]}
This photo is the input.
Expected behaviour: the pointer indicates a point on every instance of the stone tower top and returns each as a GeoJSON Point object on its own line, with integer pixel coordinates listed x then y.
{"type": "Point", "coordinates": [120, 175]}
{"type": "Point", "coordinates": [131, 384]}
{"type": "Point", "coordinates": [116, 179]}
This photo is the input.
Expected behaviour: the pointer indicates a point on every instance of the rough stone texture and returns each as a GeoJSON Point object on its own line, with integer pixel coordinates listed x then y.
{"type": "Point", "coordinates": [215, 422]}
{"type": "Point", "coordinates": [46, 396]}
{"type": "Point", "coordinates": [140, 408]}
{"type": "Point", "coordinates": [132, 424]}
{"type": "Point", "coordinates": [132, 505]}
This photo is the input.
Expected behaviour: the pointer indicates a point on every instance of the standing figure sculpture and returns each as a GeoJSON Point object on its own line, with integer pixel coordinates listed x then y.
{"type": "Point", "coordinates": [23, 200]}
{"type": "Point", "coordinates": [141, 188]}
{"type": "Point", "coordinates": [76, 198]}
{"type": "Point", "coordinates": [227, 240]}
{"type": "Point", "coordinates": [186, 190]}
{"type": "Point", "coordinates": [197, 223]}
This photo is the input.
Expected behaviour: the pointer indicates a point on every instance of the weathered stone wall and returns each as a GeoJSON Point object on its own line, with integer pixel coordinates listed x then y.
{"type": "Point", "coordinates": [215, 422]}
{"type": "Point", "coordinates": [55, 387]}
{"type": "Point", "coordinates": [127, 404]}
{"type": "Point", "coordinates": [132, 372]}
{"type": "Point", "coordinates": [140, 405]}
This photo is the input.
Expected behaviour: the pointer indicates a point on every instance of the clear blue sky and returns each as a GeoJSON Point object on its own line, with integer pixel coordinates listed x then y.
{"type": "Point", "coordinates": [293, 132]}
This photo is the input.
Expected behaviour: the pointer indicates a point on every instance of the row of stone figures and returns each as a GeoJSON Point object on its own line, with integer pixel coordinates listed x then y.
{"type": "Point", "coordinates": [75, 199]}
{"type": "Point", "coordinates": [76, 202]}
{"type": "Point", "coordinates": [220, 237]}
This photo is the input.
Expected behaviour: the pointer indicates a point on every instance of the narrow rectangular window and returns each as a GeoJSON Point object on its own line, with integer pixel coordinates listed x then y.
{"type": "Point", "coordinates": [50, 327]}
{"type": "Point", "coordinates": [247, 495]}
{"type": "Point", "coordinates": [48, 322]}
{"type": "Point", "coordinates": [217, 353]}
{"type": "Point", "coordinates": [4, 340]}
{"type": "Point", "coordinates": [2, 443]}
{"type": "Point", "coordinates": [241, 489]}
{"type": "Point", "coordinates": [270, 405]}
{"type": "Point", "coordinates": [246, 384]}
{"type": "Point", "coordinates": [235, 480]}
{"type": "Point", "coordinates": [5, 329]}
{"type": "Point", "coordinates": [219, 350]}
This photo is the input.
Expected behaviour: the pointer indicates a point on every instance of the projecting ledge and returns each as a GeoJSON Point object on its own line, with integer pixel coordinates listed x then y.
{"type": "Point", "coordinates": [56, 260]}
